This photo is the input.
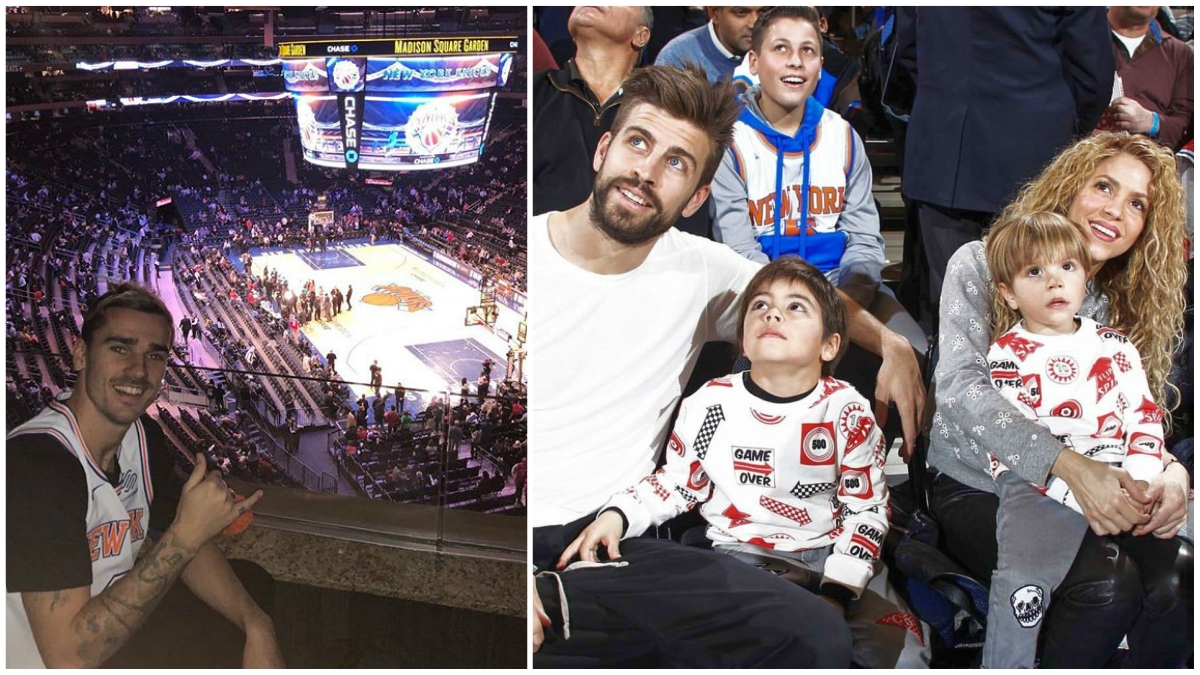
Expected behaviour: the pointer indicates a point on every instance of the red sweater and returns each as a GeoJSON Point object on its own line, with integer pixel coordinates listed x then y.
{"type": "Point", "coordinates": [1159, 76]}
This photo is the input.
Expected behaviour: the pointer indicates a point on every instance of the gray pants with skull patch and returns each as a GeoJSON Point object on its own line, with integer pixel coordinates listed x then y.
{"type": "Point", "coordinates": [1038, 539]}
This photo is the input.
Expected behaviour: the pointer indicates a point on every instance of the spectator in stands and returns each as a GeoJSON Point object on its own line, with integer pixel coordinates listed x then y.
{"type": "Point", "coordinates": [974, 136]}
{"type": "Point", "coordinates": [717, 47]}
{"type": "Point", "coordinates": [65, 464]}
{"type": "Point", "coordinates": [331, 359]}
{"type": "Point", "coordinates": [360, 411]}
{"type": "Point", "coordinates": [481, 388]}
{"type": "Point", "coordinates": [785, 145]}
{"type": "Point", "coordinates": [518, 475]}
{"type": "Point", "coordinates": [837, 85]}
{"type": "Point", "coordinates": [293, 430]}
{"type": "Point", "coordinates": [392, 419]}
{"type": "Point", "coordinates": [377, 407]}
{"type": "Point", "coordinates": [455, 436]}
{"type": "Point", "coordinates": [376, 376]}
{"type": "Point", "coordinates": [1107, 184]}
{"type": "Point", "coordinates": [655, 165]}
{"type": "Point", "coordinates": [399, 396]}
{"type": "Point", "coordinates": [1156, 72]}
{"type": "Point", "coordinates": [574, 106]}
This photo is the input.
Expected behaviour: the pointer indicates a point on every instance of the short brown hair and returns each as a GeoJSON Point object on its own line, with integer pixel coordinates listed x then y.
{"type": "Point", "coordinates": [124, 296]}
{"type": "Point", "coordinates": [770, 16]}
{"type": "Point", "coordinates": [791, 269]}
{"type": "Point", "coordinates": [684, 93]}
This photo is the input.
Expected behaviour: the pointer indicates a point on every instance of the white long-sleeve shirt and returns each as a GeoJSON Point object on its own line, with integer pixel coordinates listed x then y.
{"type": "Point", "coordinates": [1089, 390]}
{"type": "Point", "coordinates": [794, 475]}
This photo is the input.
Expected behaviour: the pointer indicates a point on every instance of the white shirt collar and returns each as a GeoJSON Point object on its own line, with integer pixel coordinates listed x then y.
{"type": "Point", "coordinates": [712, 33]}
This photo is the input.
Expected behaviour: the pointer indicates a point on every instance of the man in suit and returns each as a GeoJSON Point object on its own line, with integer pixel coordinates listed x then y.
{"type": "Point", "coordinates": [999, 91]}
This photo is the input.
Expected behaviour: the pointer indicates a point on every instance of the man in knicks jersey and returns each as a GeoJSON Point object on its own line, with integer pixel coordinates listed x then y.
{"type": "Point", "coordinates": [90, 482]}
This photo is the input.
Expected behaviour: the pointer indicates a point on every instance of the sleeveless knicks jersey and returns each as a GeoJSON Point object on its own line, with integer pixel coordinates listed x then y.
{"type": "Point", "coordinates": [811, 171]}
{"type": "Point", "coordinates": [117, 516]}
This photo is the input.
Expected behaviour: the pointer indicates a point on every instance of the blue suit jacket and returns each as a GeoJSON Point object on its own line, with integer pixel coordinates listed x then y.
{"type": "Point", "coordinates": [1000, 90]}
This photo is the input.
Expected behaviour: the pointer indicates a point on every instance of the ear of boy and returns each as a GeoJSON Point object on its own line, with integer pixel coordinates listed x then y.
{"type": "Point", "coordinates": [830, 349]}
{"type": "Point", "coordinates": [1009, 297]}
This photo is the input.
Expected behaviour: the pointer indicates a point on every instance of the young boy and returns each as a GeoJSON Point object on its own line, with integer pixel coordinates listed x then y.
{"type": "Point", "coordinates": [785, 464]}
{"type": "Point", "coordinates": [1084, 381]}
{"type": "Point", "coordinates": [796, 180]}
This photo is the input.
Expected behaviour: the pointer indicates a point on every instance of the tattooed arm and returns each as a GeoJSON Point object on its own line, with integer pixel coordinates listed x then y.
{"type": "Point", "coordinates": [75, 630]}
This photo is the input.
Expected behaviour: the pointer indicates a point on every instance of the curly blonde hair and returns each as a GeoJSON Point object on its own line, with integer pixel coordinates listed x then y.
{"type": "Point", "coordinates": [1145, 284]}
{"type": "Point", "coordinates": [1038, 238]}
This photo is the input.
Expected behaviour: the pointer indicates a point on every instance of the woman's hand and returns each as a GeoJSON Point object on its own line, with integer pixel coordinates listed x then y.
{"type": "Point", "coordinates": [1169, 492]}
{"type": "Point", "coordinates": [1098, 489]}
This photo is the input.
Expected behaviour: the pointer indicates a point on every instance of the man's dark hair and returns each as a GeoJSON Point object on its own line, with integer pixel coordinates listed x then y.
{"type": "Point", "coordinates": [124, 296]}
{"type": "Point", "coordinates": [684, 93]}
{"type": "Point", "coordinates": [770, 16]}
{"type": "Point", "coordinates": [798, 271]}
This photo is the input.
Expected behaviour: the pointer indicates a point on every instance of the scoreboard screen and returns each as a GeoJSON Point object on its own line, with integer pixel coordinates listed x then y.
{"type": "Point", "coordinates": [397, 133]}
{"type": "Point", "coordinates": [396, 105]}
{"type": "Point", "coordinates": [427, 131]}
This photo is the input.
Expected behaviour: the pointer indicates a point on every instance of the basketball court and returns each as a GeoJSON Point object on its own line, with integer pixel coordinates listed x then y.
{"type": "Point", "coordinates": [407, 314]}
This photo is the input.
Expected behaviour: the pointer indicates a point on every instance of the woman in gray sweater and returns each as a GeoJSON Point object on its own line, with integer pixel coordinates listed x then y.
{"type": "Point", "coordinates": [1124, 192]}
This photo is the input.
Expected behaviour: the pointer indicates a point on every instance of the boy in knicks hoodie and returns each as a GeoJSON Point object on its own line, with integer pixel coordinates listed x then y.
{"type": "Point", "coordinates": [796, 180]}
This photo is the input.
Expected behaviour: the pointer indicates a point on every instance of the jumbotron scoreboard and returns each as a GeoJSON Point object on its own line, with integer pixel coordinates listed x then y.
{"type": "Point", "coordinates": [396, 105]}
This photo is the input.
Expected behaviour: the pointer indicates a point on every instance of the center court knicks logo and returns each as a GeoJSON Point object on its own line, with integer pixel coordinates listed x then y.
{"type": "Point", "coordinates": [390, 295]}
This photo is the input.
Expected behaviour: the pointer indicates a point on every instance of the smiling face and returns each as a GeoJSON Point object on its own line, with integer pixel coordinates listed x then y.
{"type": "Point", "coordinates": [1112, 206]}
{"type": "Point", "coordinates": [647, 175]}
{"type": "Point", "coordinates": [121, 370]}
{"type": "Point", "coordinates": [788, 65]}
{"type": "Point", "coordinates": [1048, 295]}
{"type": "Point", "coordinates": [783, 331]}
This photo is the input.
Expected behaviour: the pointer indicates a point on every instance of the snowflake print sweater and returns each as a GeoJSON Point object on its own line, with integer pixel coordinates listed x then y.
{"type": "Point", "coordinates": [782, 474]}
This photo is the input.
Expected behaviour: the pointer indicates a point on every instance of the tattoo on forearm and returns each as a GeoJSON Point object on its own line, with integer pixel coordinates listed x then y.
{"type": "Point", "coordinates": [109, 619]}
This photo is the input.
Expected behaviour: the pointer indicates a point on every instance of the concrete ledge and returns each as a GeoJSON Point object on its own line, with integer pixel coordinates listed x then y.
{"type": "Point", "coordinates": [458, 559]}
